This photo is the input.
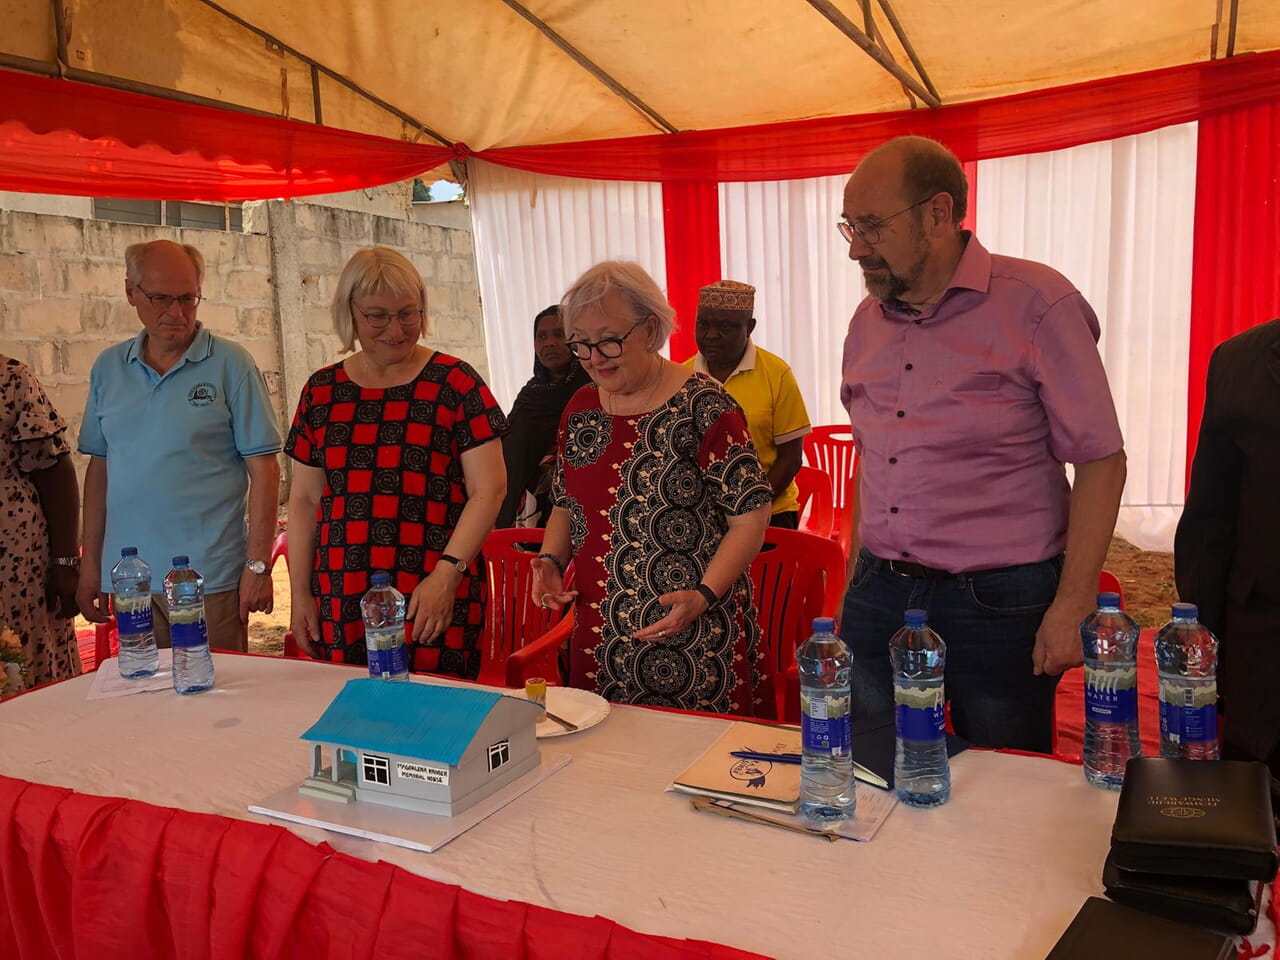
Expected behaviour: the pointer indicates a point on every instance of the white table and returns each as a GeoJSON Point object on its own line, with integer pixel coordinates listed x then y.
{"type": "Point", "coordinates": [997, 873]}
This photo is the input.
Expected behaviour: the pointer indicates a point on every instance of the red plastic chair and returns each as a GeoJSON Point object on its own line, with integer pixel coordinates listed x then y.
{"type": "Point", "coordinates": [1108, 582]}
{"type": "Point", "coordinates": [831, 450]}
{"type": "Point", "coordinates": [817, 506]}
{"type": "Point", "coordinates": [521, 639]}
{"type": "Point", "coordinates": [796, 577]}
{"type": "Point", "coordinates": [106, 641]}
{"type": "Point", "coordinates": [280, 548]}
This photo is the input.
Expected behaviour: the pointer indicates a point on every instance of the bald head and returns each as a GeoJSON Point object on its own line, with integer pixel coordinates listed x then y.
{"type": "Point", "coordinates": [917, 168]}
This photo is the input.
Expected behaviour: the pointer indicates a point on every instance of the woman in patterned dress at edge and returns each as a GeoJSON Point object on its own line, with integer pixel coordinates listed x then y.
{"type": "Point", "coordinates": [530, 445]}
{"type": "Point", "coordinates": [394, 470]}
{"type": "Point", "coordinates": [40, 530]}
{"type": "Point", "coordinates": [660, 501]}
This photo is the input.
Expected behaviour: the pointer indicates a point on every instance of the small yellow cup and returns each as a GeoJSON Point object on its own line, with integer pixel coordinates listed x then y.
{"type": "Point", "coordinates": [535, 689]}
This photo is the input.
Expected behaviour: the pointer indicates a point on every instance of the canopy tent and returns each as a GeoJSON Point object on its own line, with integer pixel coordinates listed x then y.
{"type": "Point", "coordinates": [191, 99]}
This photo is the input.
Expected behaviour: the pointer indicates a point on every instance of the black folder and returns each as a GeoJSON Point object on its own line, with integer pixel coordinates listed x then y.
{"type": "Point", "coordinates": [1230, 906]}
{"type": "Point", "coordinates": [1103, 930]}
{"type": "Point", "coordinates": [1196, 818]}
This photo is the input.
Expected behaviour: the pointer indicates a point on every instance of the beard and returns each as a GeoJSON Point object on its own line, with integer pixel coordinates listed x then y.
{"type": "Point", "coordinates": [888, 284]}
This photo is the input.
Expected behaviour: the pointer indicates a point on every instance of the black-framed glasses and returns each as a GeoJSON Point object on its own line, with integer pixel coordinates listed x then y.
{"type": "Point", "coordinates": [165, 300]}
{"type": "Point", "coordinates": [610, 347]}
{"type": "Point", "coordinates": [380, 319]}
{"type": "Point", "coordinates": [868, 231]}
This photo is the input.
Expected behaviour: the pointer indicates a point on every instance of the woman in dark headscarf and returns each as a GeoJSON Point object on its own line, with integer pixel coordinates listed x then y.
{"type": "Point", "coordinates": [529, 447]}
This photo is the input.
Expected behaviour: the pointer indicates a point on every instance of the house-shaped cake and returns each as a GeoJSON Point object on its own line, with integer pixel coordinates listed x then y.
{"type": "Point", "coordinates": [419, 746]}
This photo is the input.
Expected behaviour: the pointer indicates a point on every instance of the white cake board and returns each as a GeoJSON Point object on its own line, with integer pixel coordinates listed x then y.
{"type": "Point", "coordinates": [404, 828]}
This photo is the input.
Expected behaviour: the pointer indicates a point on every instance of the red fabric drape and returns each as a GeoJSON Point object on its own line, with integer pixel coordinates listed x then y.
{"type": "Point", "coordinates": [58, 136]}
{"type": "Point", "coordinates": [1024, 123]}
{"type": "Point", "coordinates": [104, 877]}
{"type": "Point", "coordinates": [1235, 270]}
{"type": "Point", "coordinates": [691, 229]}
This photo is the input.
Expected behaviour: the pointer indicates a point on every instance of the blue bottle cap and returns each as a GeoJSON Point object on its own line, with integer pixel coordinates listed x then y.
{"type": "Point", "coordinates": [1185, 611]}
{"type": "Point", "coordinates": [181, 561]}
{"type": "Point", "coordinates": [824, 625]}
{"type": "Point", "coordinates": [128, 551]}
{"type": "Point", "coordinates": [1108, 601]}
{"type": "Point", "coordinates": [380, 578]}
{"type": "Point", "coordinates": [916, 618]}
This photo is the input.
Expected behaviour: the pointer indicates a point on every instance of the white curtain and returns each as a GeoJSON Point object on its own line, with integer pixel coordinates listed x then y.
{"type": "Point", "coordinates": [535, 235]}
{"type": "Point", "coordinates": [781, 237]}
{"type": "Point", "coordinates": [1116, 219]}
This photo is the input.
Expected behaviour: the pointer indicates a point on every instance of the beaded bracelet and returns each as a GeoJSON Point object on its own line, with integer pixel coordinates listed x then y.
{"type": "Point", "coordinates": [554, 559]}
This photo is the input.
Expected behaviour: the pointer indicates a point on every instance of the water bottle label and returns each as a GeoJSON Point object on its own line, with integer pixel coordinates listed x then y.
{"type": "Point", "coordinates": [194, 634]}
{"type": "Point", "coordinates": [825, 724]}
{"type": "Point", "coordinates": [1110, 696]}
{"type": "Point", "coordinates": [920, 711]}
{"type": "Point", "coordinates": [135, 620]}
{"type": "Point", "coordinates": [1188, 714]}
{"type": "Point", "coordinates": [391, 662]}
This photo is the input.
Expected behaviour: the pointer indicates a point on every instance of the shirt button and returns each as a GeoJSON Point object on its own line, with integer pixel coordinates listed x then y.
{"type": "Point", "coordinates": [902, 413]}
{"type": "Point", "coordinates": [918, 321]}
{"type": "Point", "coordinates": [893, 459]}
{"type": "Point", "coordinates": [893, 509]}
{"type": "Point", "coordinates": [910, 365]}
{"type": "Point", "coordinates": [905, 554]}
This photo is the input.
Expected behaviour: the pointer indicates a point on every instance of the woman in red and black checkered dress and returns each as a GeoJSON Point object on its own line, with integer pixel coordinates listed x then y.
{"type": "Point", "coordinates": [395, 463]}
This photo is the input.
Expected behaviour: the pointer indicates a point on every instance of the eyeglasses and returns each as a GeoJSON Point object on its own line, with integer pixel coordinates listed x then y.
{"type": "Point", "coordinates": [164, 300]}
{"type": "Point", "coordinates": [380, 320]}
{"type": "Point", "coordinates": [609, 348]}
{"type": "Point", "coordinates": [868, 231]}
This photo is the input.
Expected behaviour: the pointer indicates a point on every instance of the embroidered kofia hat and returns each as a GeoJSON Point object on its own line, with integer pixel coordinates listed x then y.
{"type": "Point", "coordinates": [728, 295]}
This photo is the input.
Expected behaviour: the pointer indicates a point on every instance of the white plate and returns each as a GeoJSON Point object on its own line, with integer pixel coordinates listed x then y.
{"type": "Point", "coordinates": [582, 707]}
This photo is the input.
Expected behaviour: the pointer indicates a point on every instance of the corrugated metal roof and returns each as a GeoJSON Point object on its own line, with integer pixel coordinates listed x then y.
{"type": "Point", "coordinates": [420, 720]}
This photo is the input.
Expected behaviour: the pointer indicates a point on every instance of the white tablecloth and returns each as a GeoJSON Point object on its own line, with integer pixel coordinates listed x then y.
{"type": "Point", "coordinates": [997, 873]}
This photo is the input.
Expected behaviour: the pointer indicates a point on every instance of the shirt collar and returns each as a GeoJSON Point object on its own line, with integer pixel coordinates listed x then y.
{"type": "Point", "coordinates": [748, 362]}
{"type": "Point", "coordinates": [973, 272]}
{"type": "Point", "coordinates": [200, 349]}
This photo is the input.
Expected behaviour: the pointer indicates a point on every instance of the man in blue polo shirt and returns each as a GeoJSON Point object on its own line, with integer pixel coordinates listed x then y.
{"type": "Point", "coordinates": [180, 428]}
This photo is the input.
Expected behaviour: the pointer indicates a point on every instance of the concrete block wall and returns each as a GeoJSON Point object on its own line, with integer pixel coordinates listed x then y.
{"type": "Point", "coordinates": [62, 288]}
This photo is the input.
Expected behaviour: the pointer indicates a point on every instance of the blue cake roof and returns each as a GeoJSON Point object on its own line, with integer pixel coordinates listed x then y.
{"type": "Point", "coordinates": [425, 721]}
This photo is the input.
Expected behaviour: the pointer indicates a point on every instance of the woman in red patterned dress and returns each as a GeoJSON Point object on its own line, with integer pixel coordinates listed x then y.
{"type": "Point", "coordinates": [395, 470]}
{"type": "Point", "coordinates": [662, 505]}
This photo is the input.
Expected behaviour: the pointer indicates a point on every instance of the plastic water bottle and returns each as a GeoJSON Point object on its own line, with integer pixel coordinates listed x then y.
{"type": "Point", "coordinates": [383, 611]}
{"type": "Point", "coordinates": [921, 771]}
{"type": "Point", "coordinates": [1187, 659]}
{"type": "Point", "coordinates": [1110, 640]}
{"type": "Point", "coordinates": [826, 733]}
{"type": "Point", "coordinates": [188, 634]}
{"type": "Point", "coordinates": [131, 600]}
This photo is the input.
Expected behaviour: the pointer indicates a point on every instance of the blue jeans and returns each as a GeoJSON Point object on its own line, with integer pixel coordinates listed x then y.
{"type": "Point", "coordinates": [988, 621]}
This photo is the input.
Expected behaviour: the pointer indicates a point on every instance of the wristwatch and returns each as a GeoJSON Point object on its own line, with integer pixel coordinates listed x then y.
{"type": "Point", "coordinates": [256, 566]}
{"type": "Point", "coordinates": [459, 565]}
{"type": "Point", "coordinates": [66, 561]}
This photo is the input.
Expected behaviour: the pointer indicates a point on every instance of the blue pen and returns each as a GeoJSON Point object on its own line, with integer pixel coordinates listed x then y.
{"type": "Point", "coordinates": [771, 757]}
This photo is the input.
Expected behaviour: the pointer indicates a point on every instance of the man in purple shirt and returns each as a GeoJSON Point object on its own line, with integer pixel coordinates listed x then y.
{"type": "Point", "coordinates": [970, 380]}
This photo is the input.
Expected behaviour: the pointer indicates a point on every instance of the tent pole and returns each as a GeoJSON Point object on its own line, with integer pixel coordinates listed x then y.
{"type": "Point", "coordinates": [872, 49]}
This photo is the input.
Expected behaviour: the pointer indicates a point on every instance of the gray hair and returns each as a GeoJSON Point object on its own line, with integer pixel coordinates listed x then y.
{"type": "Point", "coordinates": [928, 169]}
{"type": "Point", "coordinates": [637, 289]}
{"type": "Point", "coordinates": [371, 271]}
{"type": "Point", "coordinates": [136, 254]}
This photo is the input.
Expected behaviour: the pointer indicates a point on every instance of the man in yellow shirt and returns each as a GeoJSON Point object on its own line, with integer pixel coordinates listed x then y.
{"type": "Point", "coordinates": [761, 382]}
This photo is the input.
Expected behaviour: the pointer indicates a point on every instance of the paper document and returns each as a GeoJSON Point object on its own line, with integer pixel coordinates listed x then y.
{"type": "Point", "coordinates": [874, 807]}
{"type": "Point", "coordinates": [107, 681]}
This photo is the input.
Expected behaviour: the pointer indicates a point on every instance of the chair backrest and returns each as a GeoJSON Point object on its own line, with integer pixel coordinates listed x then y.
{"type": "Point", "coordinates": [512, 619]}
{"type": "Point", "coordinates": [1108, 582]}
{"type": "Point", "coordinates": [279, 549]}
{"type": "Point", "coordinates": [817, 506]}
{"type": "Point", "coordinates": [796, 577]}
{"type": "Point", "coordinates": [831, 450]}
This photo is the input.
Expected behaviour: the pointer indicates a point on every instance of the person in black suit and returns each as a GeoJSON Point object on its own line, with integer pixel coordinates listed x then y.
{"type": "Point", "coordinates": [1227, 548]}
